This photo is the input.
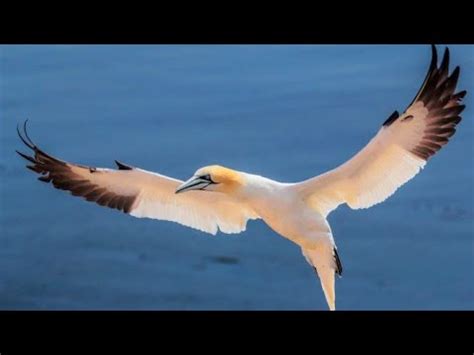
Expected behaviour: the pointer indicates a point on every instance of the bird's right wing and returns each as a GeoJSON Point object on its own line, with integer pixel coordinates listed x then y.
{"type": "Point", "coordinates": [398, 152]}
{"type": "Point", "coordinates": [141, 193]}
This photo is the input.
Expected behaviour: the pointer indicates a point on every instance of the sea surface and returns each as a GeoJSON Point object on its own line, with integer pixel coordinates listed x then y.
{"type": "Point", "coordinates": [286, 112]}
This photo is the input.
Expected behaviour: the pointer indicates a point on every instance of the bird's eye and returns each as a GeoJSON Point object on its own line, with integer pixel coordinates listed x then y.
{"type": "Point", "coordinates": [207, 177]}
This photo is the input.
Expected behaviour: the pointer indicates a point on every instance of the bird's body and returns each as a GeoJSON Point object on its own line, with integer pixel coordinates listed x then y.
{"type": "Point", "coordinates": [283, 208]}
{"type": "Point", "coordinates": [217, 198]}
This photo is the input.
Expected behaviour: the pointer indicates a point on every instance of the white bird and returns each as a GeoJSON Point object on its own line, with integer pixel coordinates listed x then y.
{"type": "Point", "coordinates": [218, 198]}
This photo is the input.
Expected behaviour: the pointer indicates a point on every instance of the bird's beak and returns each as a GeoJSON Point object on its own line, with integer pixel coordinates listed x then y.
{"type": "Point", "coordinates": [195, 183]}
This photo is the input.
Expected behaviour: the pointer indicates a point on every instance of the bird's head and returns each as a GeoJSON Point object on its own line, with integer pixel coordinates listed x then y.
{"type": "Point", "coordinates": [213, 178]}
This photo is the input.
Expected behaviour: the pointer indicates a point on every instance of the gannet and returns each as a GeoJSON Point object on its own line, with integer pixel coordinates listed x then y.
{"type": "Point", "coordinates": [217, 198]}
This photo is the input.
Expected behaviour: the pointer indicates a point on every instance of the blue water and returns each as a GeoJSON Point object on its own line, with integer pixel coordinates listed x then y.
{"type": "Point", "coordinates": [286, 112]}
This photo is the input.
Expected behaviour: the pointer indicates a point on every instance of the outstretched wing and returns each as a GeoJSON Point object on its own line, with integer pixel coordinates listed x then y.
{"type": "Point", "coordinates": [400, 149]}
{"type": "Point", "coordinates": [141, 193]}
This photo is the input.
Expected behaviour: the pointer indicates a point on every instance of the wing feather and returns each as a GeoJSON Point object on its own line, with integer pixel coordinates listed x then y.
{"type": "Point", "coordinates": [141, 193]}
{"type": "Point", "coordinates": [399, 150]}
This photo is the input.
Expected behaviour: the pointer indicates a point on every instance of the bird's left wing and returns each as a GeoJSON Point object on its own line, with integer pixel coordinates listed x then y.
{"type": "Point", "coordinates": [398, 152]}
{"type": "Point", "coordinates": [141, 193]}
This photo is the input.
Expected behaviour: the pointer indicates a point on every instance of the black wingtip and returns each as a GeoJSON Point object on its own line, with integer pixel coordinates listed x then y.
{"type": "Point", "coordinates": [460, 95]}
{"type": "Point", "coordinates": [26, 133]}
{"type": "Point", "coordinates": [445, 61]}
{"type": "Point", "coordinates": [122, 166]}
{"type": "Point", "coordinates": [45, 179]}
{"type": "Point", "coordinates": [30, 159]}
{"type": "Point", "coordinates": [434, 58]}
{"type": "Point", "coordinates": [432, 71]}
{"type": "Point", "coordinates": [444, 66]}
{"type": "Point", "coordinates": [391, 119]}
{"type": "Point", "coordinates": [28, 142]}
{"type": "Point", "coordinates": [338, 263]}
{"type": "Point", "coordinates": [456, 72]}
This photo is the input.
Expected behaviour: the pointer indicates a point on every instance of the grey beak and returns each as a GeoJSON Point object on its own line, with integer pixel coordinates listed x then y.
{"type": "Point", "coordinates": [195, 183]}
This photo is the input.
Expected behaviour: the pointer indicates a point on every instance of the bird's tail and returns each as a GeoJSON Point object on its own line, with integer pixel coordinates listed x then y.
{"type": "Point", "coordinates": [327, 283]}
{"type": "Point", "coordinates": [326, 264]}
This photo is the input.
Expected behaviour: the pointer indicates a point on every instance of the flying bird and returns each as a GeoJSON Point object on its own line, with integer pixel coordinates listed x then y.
{"type": "Point", "coordinates": [217, 198]}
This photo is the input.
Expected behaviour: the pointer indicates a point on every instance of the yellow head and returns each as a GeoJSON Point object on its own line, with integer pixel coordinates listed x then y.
{"type": "Point", "coordinates": [213, 178]}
